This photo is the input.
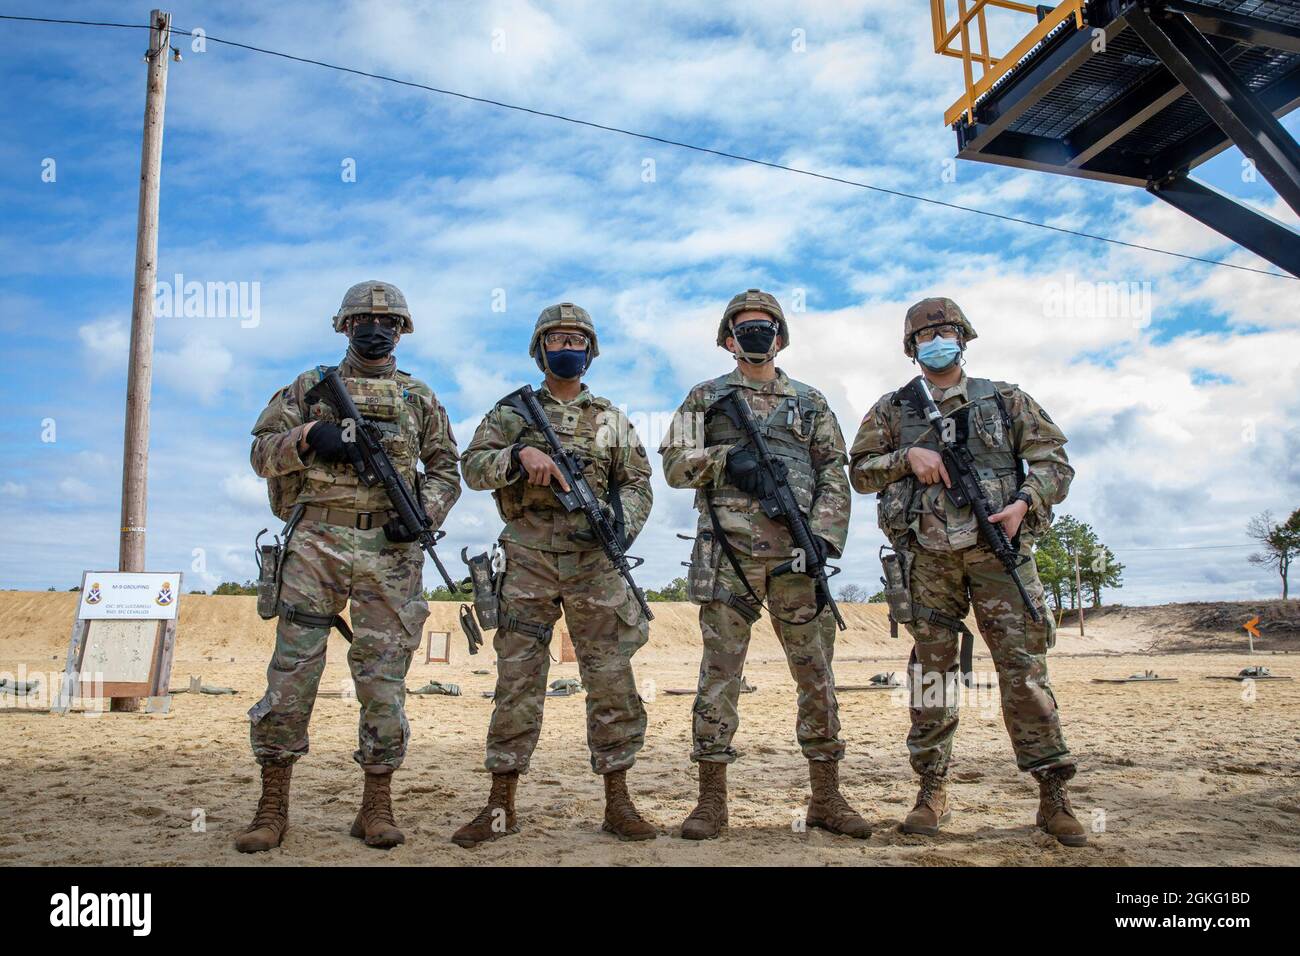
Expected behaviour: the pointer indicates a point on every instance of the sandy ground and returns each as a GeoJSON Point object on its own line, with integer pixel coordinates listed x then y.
{"type": "Point", "coordinates": [1192, 772]}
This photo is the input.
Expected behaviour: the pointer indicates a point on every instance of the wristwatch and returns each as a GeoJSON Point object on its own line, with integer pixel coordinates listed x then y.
{"type": "Point", "coordinates": [1024, 496]}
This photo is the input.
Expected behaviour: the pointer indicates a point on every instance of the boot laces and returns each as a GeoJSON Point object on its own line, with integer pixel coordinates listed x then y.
{"type": "Point", "coordinates": [931, 785]}
{"type": "Point", "coordinates": [838, 807]}
{"type": "Point", "coordinates": [710, 806]}
{"type": "Point", "coordinates": [497, 800]}
{"type": "Point", "coordinates": [377, 809]}
{"type": "Point", "coordinates": [270, 804]}
{"type": "Point", "coordinates": [619, 802]}
{"type": "Point", "coordinates": [1056, 794]}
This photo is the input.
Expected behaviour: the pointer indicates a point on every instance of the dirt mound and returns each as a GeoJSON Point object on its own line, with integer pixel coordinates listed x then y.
{"type": "Point", "coordinates": [226, 627]}
{"type": "Point", "coordinates": [1199, 626]}
{"type": "Point", "coordinates": [222, 627]}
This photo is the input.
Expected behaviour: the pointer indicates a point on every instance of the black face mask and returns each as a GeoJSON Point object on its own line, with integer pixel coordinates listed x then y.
{"type": "Point", "coordinates": [373, 341]}
{"type": "Point", "coordinates": [755, 340]}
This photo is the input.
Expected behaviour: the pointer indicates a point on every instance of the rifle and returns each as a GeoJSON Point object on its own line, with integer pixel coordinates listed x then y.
{"type": "Point", "coordinates": [374, 467]}
{"type": "Point", "coordinates": [778, 501]}
{"type": "Point", "coordinates": [579, 497]}
{"type": "Point", "coordinates": [966, 489]}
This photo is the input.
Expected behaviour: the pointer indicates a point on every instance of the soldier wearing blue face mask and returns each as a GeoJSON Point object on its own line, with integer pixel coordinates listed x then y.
{"type": "Point", "coordinates": [941, 569]}
{"type": "Point", "coordinates": [553, 566]}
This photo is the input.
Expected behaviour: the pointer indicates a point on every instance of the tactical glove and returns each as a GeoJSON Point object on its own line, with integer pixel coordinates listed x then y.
{"type": "Point", "coordinates": [743, 470]}
{"type": "Point", "coordinates": [326, 440]}
{"type": "Point", "coordinates": [396, 532]}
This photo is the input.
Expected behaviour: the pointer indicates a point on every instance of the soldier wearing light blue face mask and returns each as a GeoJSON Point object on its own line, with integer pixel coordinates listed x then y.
{"type": "Point", "coordinates": [942, 570]}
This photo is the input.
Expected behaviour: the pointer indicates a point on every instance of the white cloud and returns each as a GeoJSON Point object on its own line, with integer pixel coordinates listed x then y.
{"type": "Point", "coordinates": [76, 490]}
{"type": "Point", "coordinates": [199, 368]}
{"type": "Point", "coordinates": [245, 488]}
{"type": "Point", "coordinates": [455, 200]}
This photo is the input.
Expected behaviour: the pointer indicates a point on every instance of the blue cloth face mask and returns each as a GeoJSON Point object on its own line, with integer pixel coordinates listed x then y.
{"type": "Point", "coordinates": [938, 353]}
{"type": "Point", "coordinates": [567, 363]}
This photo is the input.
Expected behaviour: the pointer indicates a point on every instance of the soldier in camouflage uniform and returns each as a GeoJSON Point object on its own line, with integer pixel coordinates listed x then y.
{"type": "Point", "coordinates": [947, 569]}
{"type": "Point", "coordinates": [347, 545]}
{"type": "Point", "coordinates": [552, 561]}
{"type": "Point", "coordinates": [708, 453]}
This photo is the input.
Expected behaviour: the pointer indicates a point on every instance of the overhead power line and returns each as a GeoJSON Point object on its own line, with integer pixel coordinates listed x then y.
{"type": "Point", "coordinates": [738, 157]}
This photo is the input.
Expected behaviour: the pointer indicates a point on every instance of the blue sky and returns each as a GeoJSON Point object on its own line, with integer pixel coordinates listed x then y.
{"type": "Point", "coordinates": [1181, 416]}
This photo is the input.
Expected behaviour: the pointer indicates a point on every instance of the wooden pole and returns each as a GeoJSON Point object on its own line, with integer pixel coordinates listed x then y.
{"type": "Point", "coordinates": [139, 379]}
{"type": "Point", "coordinates": [1078, 590]}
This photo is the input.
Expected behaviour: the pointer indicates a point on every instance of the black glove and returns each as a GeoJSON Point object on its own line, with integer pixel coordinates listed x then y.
{"type": "Point", "coordinates": [823, 548]}
{"type": "Point", "coordinates": [326, 440]}
{"type": "Point", "coordinates": [396, 532]}
{"type": "Point", "coordinates": [743, 470]}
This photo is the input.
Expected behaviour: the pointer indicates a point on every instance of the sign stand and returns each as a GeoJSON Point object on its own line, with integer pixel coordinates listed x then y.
{"type": "Point", "coordinates": [123, 642]}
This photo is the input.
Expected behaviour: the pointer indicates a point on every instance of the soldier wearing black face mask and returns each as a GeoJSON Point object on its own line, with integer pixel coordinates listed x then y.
{"type": "Point", "coordinates": [347, 549]}
{"type": "Point", "coordinates": [736, 563]}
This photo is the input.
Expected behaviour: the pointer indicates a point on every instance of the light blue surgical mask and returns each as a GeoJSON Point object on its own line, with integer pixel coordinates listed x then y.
{"type": "Point", "coordinates": [938, 353]}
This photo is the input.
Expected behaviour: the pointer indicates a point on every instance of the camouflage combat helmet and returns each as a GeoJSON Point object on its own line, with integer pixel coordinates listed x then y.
{"type": "Point", "coordinates": [565, 315]}
{"type": "Point", "coordinates": [927, 314]}
{"type": "Point", "coordinates": [753, 300]}
{"type": "Point", "coordinates": [374, 298]}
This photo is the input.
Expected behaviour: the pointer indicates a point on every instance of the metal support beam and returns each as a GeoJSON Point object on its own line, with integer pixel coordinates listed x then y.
{"type": "Point", "coordinates": [1227, 101]}
{"type": "Point", "coordinates": [1261, 234]}
{"type": "Point", "coordinates": [1254, 31]}
{"type": "Point", "coordinates": [1022, 151]}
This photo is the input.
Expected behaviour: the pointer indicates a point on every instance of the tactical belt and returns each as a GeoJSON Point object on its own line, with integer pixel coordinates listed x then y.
{"type": "Point", "coordinates": [958, 626]}
{"type": "Point", "coordinates": [538, 632]}
{"type": "Point", "coordinates": [294, 616]}
{"type": "Point", "coordinates": [361, 520]}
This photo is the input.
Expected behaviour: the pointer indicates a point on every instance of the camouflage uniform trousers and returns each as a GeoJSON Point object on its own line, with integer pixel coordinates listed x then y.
{"type": "Point", "coordinates": [325, 566]}
{"type": "Point", "coordinates": [809, 651]}
{"type": "Point", "coordinates": [607, 629]}
{"type": "Point", "coordinates": [951, 581]}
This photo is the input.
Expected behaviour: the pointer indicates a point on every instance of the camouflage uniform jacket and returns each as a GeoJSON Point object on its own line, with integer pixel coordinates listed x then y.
{"type": "Point", "coordinates": [878, 461]}
{"type": "Point", "coordinates": [795, 417]}
{"type": "Point", "coordinates": [588, 425]}
{"type": "Point", "coordinates": [414, 426]}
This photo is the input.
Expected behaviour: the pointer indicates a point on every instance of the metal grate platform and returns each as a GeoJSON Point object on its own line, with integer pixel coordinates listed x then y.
{"type": "Point", "coordinates": [1143, 91]}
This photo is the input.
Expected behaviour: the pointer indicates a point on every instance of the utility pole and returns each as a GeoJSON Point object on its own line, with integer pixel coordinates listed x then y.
{"type": "Point", "coordinates": [1078, 590]}
{"type": "Point", "coordinates": [139, 380]}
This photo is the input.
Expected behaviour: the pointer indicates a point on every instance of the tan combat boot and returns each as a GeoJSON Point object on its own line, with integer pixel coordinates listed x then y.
{"type": "Point", "coordinates": [272, 817]}
{"type": "Point", "coordinates": [1055, 815]}
{"type": "Point", "coordinates": [710, 815]}
{"type": "Point", "coordinates": [931, 810]}
{"type": "Point", "coordinates": [497, 819]}
{"type": "Point", "coordinates": [374, 822]}
{"type": "Point", "coordinates": [621, 818]}
{"type": "Point", "coordinates": [828, 809]}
